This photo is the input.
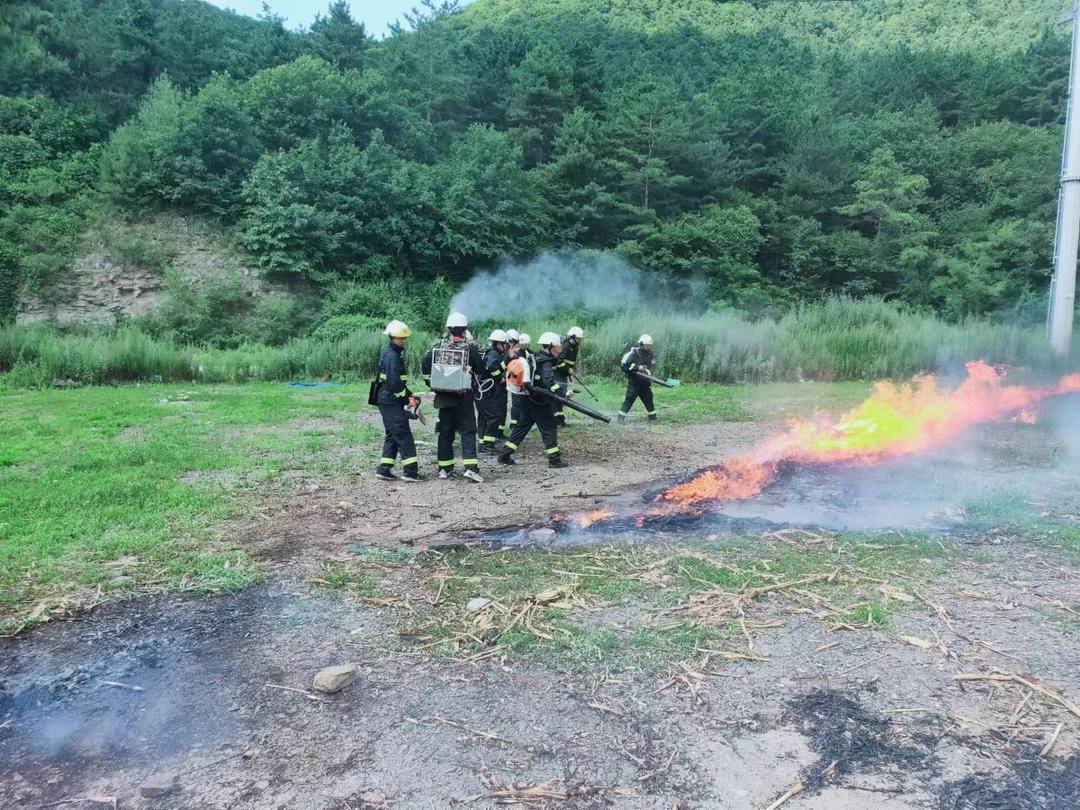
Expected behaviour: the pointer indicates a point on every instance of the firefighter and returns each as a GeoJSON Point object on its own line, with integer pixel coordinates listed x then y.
{"type": "Point", "coordinates": [639, 358]}
{"type": "Point", "coordinates": [492, 403]}
{"type": "Point", "coordinates": [565, 366]}
{"type": "Point", "coordinates": [456, 412]}
{"type": "Point", "coordinates": [393, 398]}
{"type": "Point", "coordinates": [520, 349]}
{"type": "Point", "coordinates": [536, 409]}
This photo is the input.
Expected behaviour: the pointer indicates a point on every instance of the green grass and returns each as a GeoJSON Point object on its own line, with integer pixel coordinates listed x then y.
{"type": "Point", "coordinates": [104, 490]}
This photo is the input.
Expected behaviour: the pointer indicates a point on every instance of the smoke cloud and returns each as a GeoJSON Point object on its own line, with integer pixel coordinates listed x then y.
{"type": "Point", "coordinates": [560, 281]}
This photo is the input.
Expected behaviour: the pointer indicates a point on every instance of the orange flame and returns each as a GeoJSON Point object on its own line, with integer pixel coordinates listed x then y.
{"type": "Point", "coordinates": [896, 420]}
{"type": "Point", "coordinates": [585, 521]}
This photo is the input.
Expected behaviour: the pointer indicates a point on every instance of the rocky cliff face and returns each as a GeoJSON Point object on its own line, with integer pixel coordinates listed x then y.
{"type": "Point", "coordinates": [107, 285]}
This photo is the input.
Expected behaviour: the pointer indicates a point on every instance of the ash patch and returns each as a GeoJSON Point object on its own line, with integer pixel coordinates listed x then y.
{"type": "Point", "coordinates": [842, 730]}
{"type": "Point", "coordinates": [1031, 784]}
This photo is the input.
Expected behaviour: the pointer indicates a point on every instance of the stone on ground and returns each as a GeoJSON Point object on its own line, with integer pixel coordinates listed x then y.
{"type": "Point", "coordinates": [334, 679]}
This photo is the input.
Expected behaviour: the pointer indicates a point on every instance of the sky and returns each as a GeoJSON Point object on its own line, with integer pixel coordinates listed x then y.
{"type": "Point", "coordinates": [375, 14]}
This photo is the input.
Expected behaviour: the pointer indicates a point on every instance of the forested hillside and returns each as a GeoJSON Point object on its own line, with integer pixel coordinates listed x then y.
{"type": "Point", "coordinates": [782, 151]}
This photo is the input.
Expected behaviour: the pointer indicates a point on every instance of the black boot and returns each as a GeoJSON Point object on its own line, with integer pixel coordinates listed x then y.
{"type": "Point", "coordinates": [506, 457]}
{"type": "Point", "coordinates": [412, 473]}
{"type": "Point", "coordinates": [384, 473]}
{"type": "Point", "coordinates": [652, 417]}
{"type": "Point", "coordinates": [560, 420]}
{"type": "Point", "coordinates": [557, 461]}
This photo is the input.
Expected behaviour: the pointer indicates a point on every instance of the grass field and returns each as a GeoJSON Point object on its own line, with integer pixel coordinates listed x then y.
{"type": "Point", "coordinates": [114, 489]}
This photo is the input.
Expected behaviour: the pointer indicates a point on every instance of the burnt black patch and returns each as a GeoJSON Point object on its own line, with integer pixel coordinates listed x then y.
{"type": "Point", "coordinates": [1031, 784]}
{"type": "Point", "coordinates": [844, 731]}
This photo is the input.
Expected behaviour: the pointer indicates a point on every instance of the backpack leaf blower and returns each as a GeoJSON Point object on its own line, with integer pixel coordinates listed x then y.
{"type": "Point", "coordinates": [567, 402]}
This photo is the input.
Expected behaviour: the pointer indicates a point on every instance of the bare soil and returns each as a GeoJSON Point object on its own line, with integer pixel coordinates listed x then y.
{"type": "Point", "coordinates": [214, 690]}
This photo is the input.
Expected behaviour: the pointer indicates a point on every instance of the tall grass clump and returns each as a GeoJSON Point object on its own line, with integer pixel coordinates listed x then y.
{"type": "Point", "coordinates": [837, 339]}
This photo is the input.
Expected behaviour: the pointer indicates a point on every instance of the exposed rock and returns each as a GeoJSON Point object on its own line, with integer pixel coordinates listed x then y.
{"type": "Point", "coordinates": [479, 603]}
{"type": "Point", "coordinates": [157, 784]}
{"type": "Point", "coordinates": [101, 288]}
{"type": "Point", "coordinates": [334, 679]}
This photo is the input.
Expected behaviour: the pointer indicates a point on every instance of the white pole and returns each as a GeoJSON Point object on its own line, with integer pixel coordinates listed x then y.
{"type": "Point", "coordinates": [1063, 288]}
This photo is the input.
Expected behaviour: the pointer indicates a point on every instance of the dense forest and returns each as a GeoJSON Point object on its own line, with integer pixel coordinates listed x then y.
{"type": "Point", "coordinates": [781, 151]}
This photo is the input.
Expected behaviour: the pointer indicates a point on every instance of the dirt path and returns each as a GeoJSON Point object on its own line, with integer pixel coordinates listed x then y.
{"type": "Point", "coordinates": [327, 517]}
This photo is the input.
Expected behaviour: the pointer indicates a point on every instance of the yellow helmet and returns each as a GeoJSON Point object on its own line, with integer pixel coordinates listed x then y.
{"type": "Point", "coordinates": [397, 329]}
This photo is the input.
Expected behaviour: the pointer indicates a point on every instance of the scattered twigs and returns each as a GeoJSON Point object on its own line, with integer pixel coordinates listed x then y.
{"type": "Point", "coordinates": [541, 793]}
{"type": "Point", "coordinates": [91, 799]}
{"type": "Point", "coordinates": [799, 787]}
{"type": "Point", "coordinates": [304, 692]}
{"type": "Point", "coordinates": [446, 721]}
{"type": "Point", "coordinates": [1008, 677]}
{"type": "Point", "coordinates": [1045, 752]}
{"type": "Point", "coordinates": [118, 685]}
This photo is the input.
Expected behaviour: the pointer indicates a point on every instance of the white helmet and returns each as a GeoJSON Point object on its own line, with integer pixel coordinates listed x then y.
{"type": "Point", "coordinates": [645, 340]}
{"type": "Point", "coordinates": [524, 339]}
{"type": "Point", "coordinates": [550, 339]}
{"type": "Point", "coordinates": [575, 332]}
{"type": "Point", "coordinates": [499, 336]}
{"type": "Point", "coordinates": [513, 335]}
{"type": "Point", "coordinates": [397, 329]}
{"type": "Point", "coordinates": [456, 319]}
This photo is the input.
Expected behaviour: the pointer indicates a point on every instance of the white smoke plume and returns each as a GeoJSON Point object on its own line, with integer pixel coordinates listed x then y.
{"type": "Point", "coordinates": [561, 281]}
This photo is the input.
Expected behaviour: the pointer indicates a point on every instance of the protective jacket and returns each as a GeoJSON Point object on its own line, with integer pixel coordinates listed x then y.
{"type": "Point", "coordinates": [495, 365]}
{"type": "Point", "coordinates": [637, 359]}
{"type": "Point", "coordinates": [544, 375]}
{"type": "Point", "coordinates": [566, 362]}
{"type": "Point", "coordinates": [393, 376]}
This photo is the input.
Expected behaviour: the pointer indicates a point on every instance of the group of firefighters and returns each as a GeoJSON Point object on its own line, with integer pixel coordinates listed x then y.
{"type": "Point", "coordinates": [471, 383]}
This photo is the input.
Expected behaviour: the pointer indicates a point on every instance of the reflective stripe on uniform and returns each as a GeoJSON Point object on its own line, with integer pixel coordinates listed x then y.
{"type": "Point", "coordinates": [470, 462]}
{"type": "Point", "coordinates": [389, 462]}
{"type": "Point", "coordinates": [511, 446]}
{"type": "Point", "coordinates": [405, 462]}
{"type": "Point", "coordinates": [496, 373]}
{"type": "Point", "coordinates": [488, 439]}
{"type": "Point", "coordinates": [446, 463]}
{"type": "Point", "coordinates": [382, 376]}
{"type": "Point", "coordinates": [552, 450]}
{"type": "Point", "coordinates": [401, 393]}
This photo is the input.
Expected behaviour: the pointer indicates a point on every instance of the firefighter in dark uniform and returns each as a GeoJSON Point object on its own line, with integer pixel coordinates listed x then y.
{"type": "Point", "coordinates": [492, 402]}
{"type": "Point", "coordinates": [536, 409]}
{"type": "Point", "coordinates": [519, 348]}
{"type": "Point", "coordinates": [457, 414]}
{"type": "Point", "coordinates": [394, 395]}
{"type": "Point", "coordinates": [639, 358]}
{"type": "Point", "coordinates": [565, 367]}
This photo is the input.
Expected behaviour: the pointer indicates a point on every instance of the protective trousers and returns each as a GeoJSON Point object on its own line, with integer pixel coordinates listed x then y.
{"type": "Point", "coordinates": [492, 410]}
{"type": "Point", "coordinates": [459, 418]}
{"type": "Point", "coordinates": [541, 415]}
{"type": "Point", "coordinates": [515, 412]}
{"type": "Point", "coordinates": [564, 387]}
{"type": "Point", "coordinates": [399, 438]}
{"type": "Point", "coordinates": [637, 390]}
